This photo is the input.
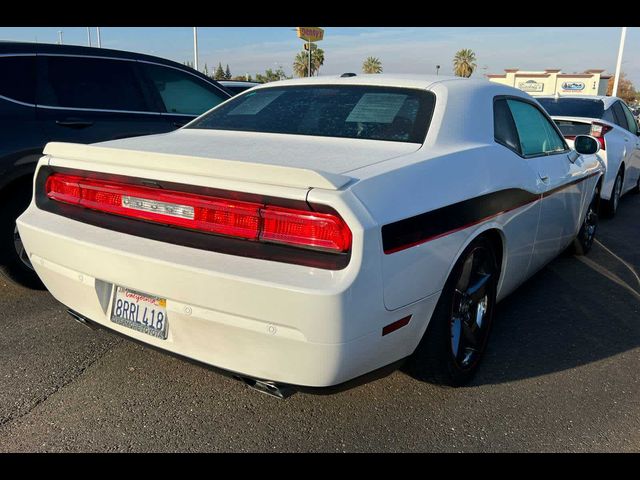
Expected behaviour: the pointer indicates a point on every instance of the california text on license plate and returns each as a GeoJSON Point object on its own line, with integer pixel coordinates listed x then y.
{"type": "Point", "coordinates": [141, 312]}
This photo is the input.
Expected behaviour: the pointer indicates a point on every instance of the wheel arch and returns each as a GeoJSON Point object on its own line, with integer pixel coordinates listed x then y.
{"type": "Point", "coordinates": [494, 233]}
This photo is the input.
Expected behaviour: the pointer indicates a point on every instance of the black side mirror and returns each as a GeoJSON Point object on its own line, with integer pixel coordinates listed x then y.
{"type": "Point", "coordinates": [586, 145]}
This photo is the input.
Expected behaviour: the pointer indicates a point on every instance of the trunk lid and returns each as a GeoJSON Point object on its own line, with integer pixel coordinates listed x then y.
{"type": "Point", "coordinates": [275, 159]}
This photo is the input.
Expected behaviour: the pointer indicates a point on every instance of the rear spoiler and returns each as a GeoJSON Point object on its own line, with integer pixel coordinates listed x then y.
{"type": "Point", "coordinates": [208, 167]}
{"type": "Point", "coordinates": [585, 120]}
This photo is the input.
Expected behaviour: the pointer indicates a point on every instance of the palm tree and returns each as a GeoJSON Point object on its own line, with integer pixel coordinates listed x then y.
{"type": "Point", "coordinates": [301, 62]}
{"type": "Point", "coordinates": [464, 63]}
{"type": "Point", "coordinates": [317, 60]}
{"type": "Point", "coordinates": [372, 65]}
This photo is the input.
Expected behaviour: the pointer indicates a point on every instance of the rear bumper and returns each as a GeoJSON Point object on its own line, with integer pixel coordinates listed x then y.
{"type": "Point", "coordinates": [608, 178]}
{"type": "Point", "coordinates": [267, 320]}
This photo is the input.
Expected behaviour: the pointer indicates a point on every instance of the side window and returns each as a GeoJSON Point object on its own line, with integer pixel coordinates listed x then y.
{"type": "Point", "coordinates": [537, 135]}
{"type": "Point", "coordinates": [181, 92]}
{"type": "Point", "coordinates": [93, 83]}
{"type": "Point", "coordinates": [18, 79]}
{"type": "Point", "coordinates": [631, 121]}
{"type": "Point", "coordinates": [504, 128]}
{"type": "Point", "coordinates": [608, 115]}
{"type": "Point", "coordinates": [618, 116]}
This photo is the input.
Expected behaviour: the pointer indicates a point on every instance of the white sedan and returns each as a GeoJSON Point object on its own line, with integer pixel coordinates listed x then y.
{"type": "Point", "coordinates": [610, 121]}
{"type": "Point", "coordinates": [307, 232]}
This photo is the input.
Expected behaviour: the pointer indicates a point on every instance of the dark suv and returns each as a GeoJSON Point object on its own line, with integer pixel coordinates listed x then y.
{"type": "Point", "coordinates": [82, 95]}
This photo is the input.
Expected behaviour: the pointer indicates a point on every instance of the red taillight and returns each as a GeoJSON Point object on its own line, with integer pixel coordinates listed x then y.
{"type": "Point", "coordinates": [295, 227]}
{"type": "Point", "coordinates": [598, 130]}
{"type": "Point", "coordinates": [234, 218]}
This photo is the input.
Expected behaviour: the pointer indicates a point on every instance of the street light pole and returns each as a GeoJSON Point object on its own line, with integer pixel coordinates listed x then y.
{"type": "Point", "coordinates": [98, 32]}
{"type": "Point", "coordinates": [195, 47]}
{"type": "Point", "coordinates": [619, 63]}
{"type": "Point", "coordinates": [437, 69]}
{"type": "Point", "coordinates": [89, 35]}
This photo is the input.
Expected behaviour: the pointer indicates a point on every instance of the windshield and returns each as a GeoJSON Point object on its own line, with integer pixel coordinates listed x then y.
{"type": "Point", "coordinates": [367, 112]}
{"type": "Point", "coordinates": [573, 107]}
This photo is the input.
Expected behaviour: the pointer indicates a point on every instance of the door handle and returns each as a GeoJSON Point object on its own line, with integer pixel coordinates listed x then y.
{"type": "Point", "coordinates": [544, 178]}
{"type": "Point", "coordinates": [74, 123]}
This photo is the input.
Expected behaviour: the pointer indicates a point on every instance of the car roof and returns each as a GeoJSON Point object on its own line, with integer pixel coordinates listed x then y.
{"type": "Point", "coordinates": [238, 82]}
{"type": "Point", "coordinates": [7, 47]}
{"type": "Point", "coordinates": [379, 79]}
{"type": "Point", "coordinates": [606, 99]}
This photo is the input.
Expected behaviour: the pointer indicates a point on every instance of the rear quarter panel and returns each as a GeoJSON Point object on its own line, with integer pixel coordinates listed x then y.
{"type": "Point", "coordinates": [445, 179]}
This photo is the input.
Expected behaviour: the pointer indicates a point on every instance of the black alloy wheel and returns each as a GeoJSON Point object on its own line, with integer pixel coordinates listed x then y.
{"type": "Point", "coordinates": [456, 339]}
{"type": "Point", "coordinates": [584, 240]}
{"type": "Point", "coordinates": [616, 193]}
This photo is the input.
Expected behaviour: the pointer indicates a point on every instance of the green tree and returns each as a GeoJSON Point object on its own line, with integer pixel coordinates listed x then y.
{"type": "Point", "coordinates": [301, 62]}
{"type": "Point", "coordinates": [227, 73]}
{"type": "Point", "coordinates": [219, 73]}
{"type": "Point", "coordinates": [243, 78]}
{"type": "Point", "coordinates": [206, 70]}
{"type": "Point", "coordinates": [372, 65]}
{"type": "Point", "coordinates": [464, 63]}
{"type": "Point", "coordinates": [188, 64]}
{"type": "Point", "coordinates": [317, 60]}
{"type": "Point", "coordinates": [271, 76]}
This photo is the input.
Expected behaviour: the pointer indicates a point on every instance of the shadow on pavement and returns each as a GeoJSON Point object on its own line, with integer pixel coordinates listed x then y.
{"type": "Point", "coordinates": [573, 312]}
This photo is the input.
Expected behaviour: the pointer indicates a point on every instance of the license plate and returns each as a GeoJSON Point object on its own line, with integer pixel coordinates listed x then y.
{"type": "Point", "coordinates": [141, 312]}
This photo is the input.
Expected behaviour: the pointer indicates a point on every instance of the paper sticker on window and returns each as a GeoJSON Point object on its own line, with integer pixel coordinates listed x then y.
{"type": "Point", "coordinates": [255, 102]}
{"type": "Point", "coordinates": [377, 108]}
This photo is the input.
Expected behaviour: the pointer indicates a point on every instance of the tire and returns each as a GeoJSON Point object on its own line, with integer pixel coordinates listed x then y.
{"type": "Point", "coordinates": [13, 263]}
{"type": "Point", "coordinates": [452, 348]}
{"type": "Point", "coordinates": [611, 206]}
{"type": "Point", "coordinates": [583, 242]}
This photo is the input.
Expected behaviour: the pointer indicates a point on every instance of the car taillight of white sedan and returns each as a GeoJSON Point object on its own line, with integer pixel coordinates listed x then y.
{"type": "Point", "coordinates": [221, 216]}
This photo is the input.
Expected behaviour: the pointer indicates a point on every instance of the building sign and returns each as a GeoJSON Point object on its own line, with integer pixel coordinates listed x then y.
{"type": "Point", "coordinates": [310, 34]}
{"type": "Point", "coordinates": [572, 86]}
{"type": "Point", "coordinates": [531, 86]}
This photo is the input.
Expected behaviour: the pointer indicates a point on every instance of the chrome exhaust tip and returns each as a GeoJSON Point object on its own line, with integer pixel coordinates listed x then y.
{"type": "Point", "coordinates": [269, 388]}
{"type": "Point", "coordinates": [81, 319]}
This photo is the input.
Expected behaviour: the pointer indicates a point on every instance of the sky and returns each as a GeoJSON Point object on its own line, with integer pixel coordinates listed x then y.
{"type": "Point", "coordinates": [401, 50]}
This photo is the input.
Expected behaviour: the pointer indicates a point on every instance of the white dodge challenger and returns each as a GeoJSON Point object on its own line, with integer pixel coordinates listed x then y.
{"type": "Point", "coordinates": [309, 231]}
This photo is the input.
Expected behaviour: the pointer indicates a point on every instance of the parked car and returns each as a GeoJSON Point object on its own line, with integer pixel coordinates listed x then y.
{"type": "Point", "coordinates": [313, 230]}
{"type": "Point", "coordinates": [84, 95]}
{"type": "Point", "coordinates": [612, 123]}
{"type": "Point", "coordinates": [237, 86]}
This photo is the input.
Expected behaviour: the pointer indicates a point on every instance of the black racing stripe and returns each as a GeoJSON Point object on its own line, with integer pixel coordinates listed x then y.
{"type": "Point", "coordinates": [443, 221]}
{"type": "Point", "coordinates": [414, 230]}
{"type": "Point", "coordinates": [567, 185]}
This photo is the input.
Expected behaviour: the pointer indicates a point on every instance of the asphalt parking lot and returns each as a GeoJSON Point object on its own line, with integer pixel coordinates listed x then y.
{"type": "Point", "coordinates": [561, 375]}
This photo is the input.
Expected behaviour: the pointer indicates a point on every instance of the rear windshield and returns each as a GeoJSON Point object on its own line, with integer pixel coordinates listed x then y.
{"type": "Point", "coordinates": [573, 107]}
{"type": "Point", "coordinates": [373, 113]}
{"type": "Point", "coordinates": [571, 129]}
{"type": "Point", "coordinates": [236, 89]}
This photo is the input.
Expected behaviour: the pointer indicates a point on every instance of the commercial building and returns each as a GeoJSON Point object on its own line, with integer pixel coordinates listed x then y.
{"type": "Point", "coordinates": [553, 81]}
